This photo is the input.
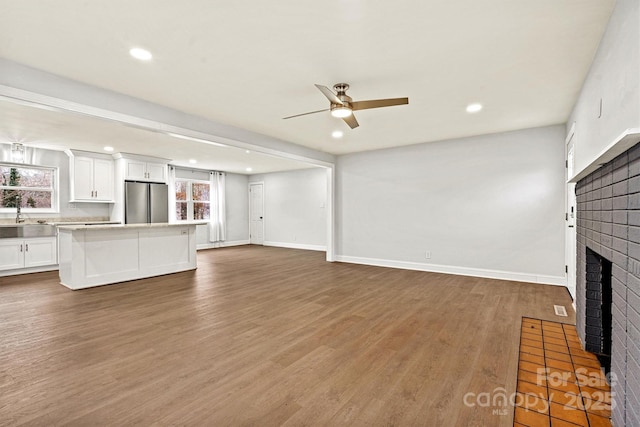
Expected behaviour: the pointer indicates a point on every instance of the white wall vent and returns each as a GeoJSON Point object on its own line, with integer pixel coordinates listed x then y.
{"type": "Point", "coordinates": [560, 310]}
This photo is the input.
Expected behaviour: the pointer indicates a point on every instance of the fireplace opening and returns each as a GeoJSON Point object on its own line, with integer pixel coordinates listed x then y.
{"type": "Point", "coordinates": [598, 328]}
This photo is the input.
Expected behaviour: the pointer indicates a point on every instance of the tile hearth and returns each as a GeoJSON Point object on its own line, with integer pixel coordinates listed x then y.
{"type": "Point", "coordinates": [559, 383]}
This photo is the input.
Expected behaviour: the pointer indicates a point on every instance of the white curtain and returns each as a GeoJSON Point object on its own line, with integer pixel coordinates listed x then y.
{"type": "Point", "coordinates": [218, 221]}
{"type": "Point", "coordinates": [172, 194]}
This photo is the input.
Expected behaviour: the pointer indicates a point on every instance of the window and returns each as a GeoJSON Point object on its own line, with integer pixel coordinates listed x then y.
{"type": "Point", "coordinates": [192, 200]}
{"type": "Point", "coordinates": [31, 187]}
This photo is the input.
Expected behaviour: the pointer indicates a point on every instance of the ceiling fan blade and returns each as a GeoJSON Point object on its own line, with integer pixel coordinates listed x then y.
{"type": "Point", "coordinates": [377, 103]}
{"type": "Point", "coordinates": [304, 114]}
{"type": "Point", "coordinates": [351, 121]}
{"type": "Point", "coordinates": [330, 95]}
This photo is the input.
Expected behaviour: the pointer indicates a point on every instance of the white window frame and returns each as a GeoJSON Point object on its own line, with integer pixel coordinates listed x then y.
{"type": "Point", "coordinates": [190, 200]}
{"type": "Point", "coordinates": [54, 189]}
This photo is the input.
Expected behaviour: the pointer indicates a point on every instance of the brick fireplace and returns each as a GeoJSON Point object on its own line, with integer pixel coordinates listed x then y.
{"type": "Point", "coordinates": [608, 229]}
{"type": "Point", "coordinates": [598, 304]}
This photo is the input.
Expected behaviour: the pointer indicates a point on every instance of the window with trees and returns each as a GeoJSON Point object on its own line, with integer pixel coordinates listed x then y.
{"type": "Point", "coordinates": [192, 200]}
{"type": "Point", "coordinates": [32, 188]}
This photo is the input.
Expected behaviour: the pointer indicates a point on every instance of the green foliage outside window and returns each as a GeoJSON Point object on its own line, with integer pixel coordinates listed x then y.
{"type": "Point", "coordinates": [31, 187]}
{"type": "Point", "coordinates": [11, 197]}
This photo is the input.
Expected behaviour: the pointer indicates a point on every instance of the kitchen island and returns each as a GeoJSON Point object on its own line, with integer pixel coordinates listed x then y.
{"type": "Point", "coordinates": [95, 255]}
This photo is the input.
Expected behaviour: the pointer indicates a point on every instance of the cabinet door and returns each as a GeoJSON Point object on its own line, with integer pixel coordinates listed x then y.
{"type": "Point", "coordinates": [82, 178]}
{"type": "Point", "coordinates": [103, 179]}
{"type": "Point", "coordinates": [135, 170]}
{"type": "Point", "coordinates": [157, 172]}
{"type": "Point", "coordinates": [11, 254]}
{"type": "Point", "coordinates": [39, 252]}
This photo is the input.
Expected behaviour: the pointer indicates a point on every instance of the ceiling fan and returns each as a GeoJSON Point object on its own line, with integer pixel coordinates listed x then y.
{"type": "Point", "coordinates": [342, 106]}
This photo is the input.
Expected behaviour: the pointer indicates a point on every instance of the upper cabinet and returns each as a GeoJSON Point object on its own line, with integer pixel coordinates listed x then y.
{"type": "Point", "coordinates": [136, 170]}
{"type": "Point", "coordinates": [91, 177]}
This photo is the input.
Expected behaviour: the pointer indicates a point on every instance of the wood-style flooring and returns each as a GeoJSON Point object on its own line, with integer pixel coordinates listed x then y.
{"type": "Point", "coordinates": [263, 336]}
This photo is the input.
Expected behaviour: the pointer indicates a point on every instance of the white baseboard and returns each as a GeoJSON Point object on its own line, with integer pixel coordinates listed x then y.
{"type": "Point", "coordinates": [213, 245]}
{"type": "Point", "coordinates": [29, 270]}
{"type": "Point", "coordinates": [462, 271]}
{"type": "Point", "coordinates": [296, 246]}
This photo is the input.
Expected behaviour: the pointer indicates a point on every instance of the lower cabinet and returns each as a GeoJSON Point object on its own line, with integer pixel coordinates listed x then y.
{"type": "Point", "coordinates": [97, 255]}
{"type": "Point", "coordinates": [26, 253]}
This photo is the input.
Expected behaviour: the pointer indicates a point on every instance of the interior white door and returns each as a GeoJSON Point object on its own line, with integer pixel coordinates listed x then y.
{"type": "Point", "coordinates": [256, 213]}
{"type": "Point", "coordinates": [571, 237]}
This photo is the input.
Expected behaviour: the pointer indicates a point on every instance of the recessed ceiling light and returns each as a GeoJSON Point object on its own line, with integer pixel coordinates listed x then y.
{"type": "Point", "coordinates": [474, 108]}
{"type": "Point", "coordinates": [107, 148]}
{"type": "Point", "coordinates": [249, 169]}
{"type": "Point", "coordinates": [247, 151]}
{"type": "Point", "coordinates": [193, 161]}
{"type": "Point", "coordinates": [141, 54]}
{"type": "Point", "coordinates": [337, 134]}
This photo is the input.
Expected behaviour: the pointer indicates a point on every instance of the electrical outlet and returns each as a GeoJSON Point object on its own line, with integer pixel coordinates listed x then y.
{"type": "Point", "coordinates": [428, 254]}
{"type": "Point", "coordinates": [294, 237]}
{"type": "Point", "coordinates": [72, 205]}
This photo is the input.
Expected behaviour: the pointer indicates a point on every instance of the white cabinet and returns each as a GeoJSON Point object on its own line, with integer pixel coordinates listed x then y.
{"type": "Point", "coordinates": [11, 254]}
{"type": "Point", "coordinates": [103, 179]}
{"type": "Point", "coordinates": [91, 177]}
{"type": "Point", "coordinates": [157, 172]}
{"type": "Point", "coordinates": [136, 170]}
{"type": "Point", "coordinates": [26, 253]}
{"type": "Point", "coordinates": [41, 251]}
{"type": "Point", "coordinates": [101, 255]}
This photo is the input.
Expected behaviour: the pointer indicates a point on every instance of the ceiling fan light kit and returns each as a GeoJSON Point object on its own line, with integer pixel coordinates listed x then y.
{"type": "Point", "coordinates": [342, 106]}
{"type": "Point", "coordinates": [340, 111]}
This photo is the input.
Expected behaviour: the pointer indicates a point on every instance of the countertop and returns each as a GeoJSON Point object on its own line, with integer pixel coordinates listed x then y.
{"type": "Point", "coordinates": [61, 223]}
{"type": "Point", "coordinates": [120, 226]}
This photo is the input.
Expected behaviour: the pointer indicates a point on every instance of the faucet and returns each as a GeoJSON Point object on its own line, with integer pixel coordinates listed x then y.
{"type": "Point", "coordinates": [18, 203]}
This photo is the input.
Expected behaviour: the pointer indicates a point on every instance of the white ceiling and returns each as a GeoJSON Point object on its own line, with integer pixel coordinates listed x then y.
{"type": "Point", "coordinates": [54, 130]}
{"type": "Point", "coordinates": [250, 63]}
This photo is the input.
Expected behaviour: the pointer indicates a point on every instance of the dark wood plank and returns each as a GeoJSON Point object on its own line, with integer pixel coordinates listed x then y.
{"type": "Point", "coordinates": [263, 336]}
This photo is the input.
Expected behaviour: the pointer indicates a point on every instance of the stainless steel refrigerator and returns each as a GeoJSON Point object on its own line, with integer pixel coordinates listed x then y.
{"type": "Point", "coordinates": [145, 202]}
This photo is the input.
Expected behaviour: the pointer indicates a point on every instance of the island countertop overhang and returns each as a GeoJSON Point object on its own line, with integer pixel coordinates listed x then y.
{"type": "Point", "coordinates": [126, 226]}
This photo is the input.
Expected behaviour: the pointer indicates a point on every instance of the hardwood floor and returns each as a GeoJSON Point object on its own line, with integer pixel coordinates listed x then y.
{"type": "Point", "coordinates": [264, 336]}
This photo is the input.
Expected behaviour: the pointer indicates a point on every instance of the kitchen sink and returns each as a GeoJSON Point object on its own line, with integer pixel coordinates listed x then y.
{"type": "Point", "coordinates": [26, 230]}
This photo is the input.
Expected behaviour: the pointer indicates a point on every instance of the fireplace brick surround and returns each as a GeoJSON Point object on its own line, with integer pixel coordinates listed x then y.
{"type": "Point", "coordinates": [598, 308]}
{"type": "Point", "coordinates": [608, 223]}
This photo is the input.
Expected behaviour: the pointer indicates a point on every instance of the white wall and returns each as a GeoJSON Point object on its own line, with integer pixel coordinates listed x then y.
{"type": "Point", "coordinates": [486, 204]}
{"type": "Point", "coordinates": [295, 208]}
{"type": "Point", "coordinates": [237, 200]}
{"type": "Point", "coordinates": [57, 159]}
{"type": "Point", "coordinates": [614, 77]}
